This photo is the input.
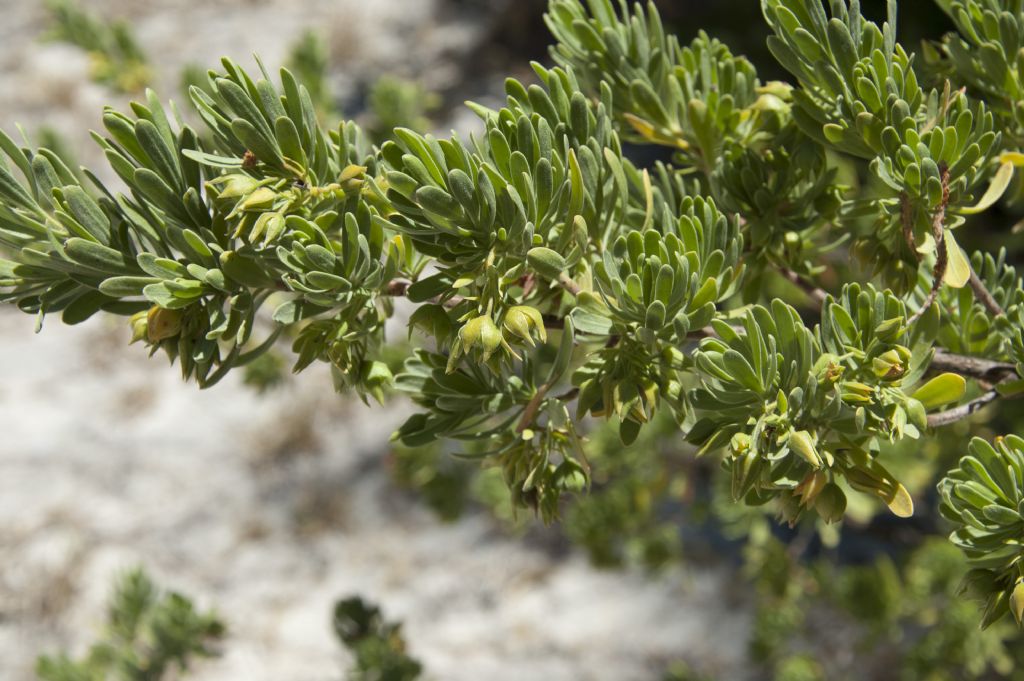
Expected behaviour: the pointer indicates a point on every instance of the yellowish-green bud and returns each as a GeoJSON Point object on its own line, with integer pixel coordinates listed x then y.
{"type": "Point", "coordinates": [236, 186]}
{"type": "Point", "coordinates": [269, 226]}
{"type": "Point", "coordinates": [740, 443]}
{"type": "Point", "coordinates": [376, 375]}
{"type": "Point", "coordinates": [263, 197]}
{"type": "Point", "coordinates": [828, 369]}
{"type": "Point", "coordinates": [138, 323]}
{"type": "Point", "coordinates": [855, 392]}
{"type": "Point", "coordinates": [800, 441]}
{"type": "Point", "coordinates": [522, 321]}
{"type": "Point", "coordinates": [889, 365]}
{"type": "Point", "coordinates": [746, 468]}
{"type": "Point", "coordinates": [890, 329]}
{"type": "Point", "coordinates": [351, 178]}
{"type": "Point", "coordinates": [830, 503]}
{"type": "Point", "coordinates": [777, 88]}
{"type": "Point", "coordinates": [811, 487]}
{"type": "Point", "coordinates": [481, 331]}
{"type": "Point", "coordinates": [546, 262]}
{"type": "Point", "coordinates": [1017, 602]}
{"type": "Point", "coordinates": [770, 102]}
{"type": "Point", "coordinates": [162, 324]}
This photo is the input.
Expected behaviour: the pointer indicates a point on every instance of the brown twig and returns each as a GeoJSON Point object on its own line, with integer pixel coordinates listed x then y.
{"type": "Point", "coordinates": [985, 370]}
{"type": "Point", "coordinates": [907, 221]}
{"type": "Point", "coordinates": [566, 282]}
{"type": "Point", "coordinates": [953, 415]}
{"type": "Point", "coordinates": [984, 296]}
{"type": "Point", "coordinates": [530, 412]}
{"type": "Point", "coordinates": [396, 288]}
{"type": "Point", "coordinates": [553, 321]}
{"type": "Point", "coordinates": [941, 256]}
{"type": "Point", "coordinates": [818, 295]}
{"type": "Point", "coordinates": [568, 395]}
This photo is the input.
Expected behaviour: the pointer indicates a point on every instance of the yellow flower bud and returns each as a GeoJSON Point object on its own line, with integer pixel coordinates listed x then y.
{"type": "Point", "coordinates": [261, 198]}
{"type": "Point", "coordinates": [889, 365]}
{"type": "Point", "coordinates": [483, 332]}
{"type": "Point", "coordinates": [830, 503]}
{"type": "Point", "coordinates": [138, 323]}
{"type": "Point", "coordinates": [1017, 602]}
{"type": "Point", "coordinates": [236, 186]}
{"type": "Point", "coordinates": [800, 441]}
{"type": "Point", "coordinates": [740, 443]}
{"type": "Point", "coordinates": [162, 323]}
{"type": "Point", "coordinates": [828, 369]}
{"type": "Point", "coordinates": [811, 487]}
{"type": "Point", "coordinates": [522, 320]}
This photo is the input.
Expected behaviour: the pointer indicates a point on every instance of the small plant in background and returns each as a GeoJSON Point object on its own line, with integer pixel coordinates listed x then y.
{"type": "Point", "coordinates": [876, 613]}
{"type": "Point", "coordinates": [377, 645]}
{"type": "Point", "coordinates": [118, 61]}
{"type": "Point", "coordinates": [150, 635]}
{"type": "Point", "coordinates": [308, 59]}
{"type": "Point", "coordinates": [399, 103]}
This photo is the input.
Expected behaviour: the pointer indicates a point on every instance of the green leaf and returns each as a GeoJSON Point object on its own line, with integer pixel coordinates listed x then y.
{"type": "Point", "coordinates": [1000, 181]}
{"type": "Point", "coordinates": [212, 160]}
{"type": "Point", "coordinates": [96, 256]}
{"type": "Point", "coordinates": [84, 307]}
{"type": "Point", "coordinates": [628, 431]}
{"type": "Point", "coordinates": [265, 149]}
{"type": "Point", "coordinates": [941, 390]}
{"type": "Point", "coordinates": [121, 287]}
{"type": "Point", "coordinates": [958, 268]}
{"type": "Point", "coordinates": [1011, 388]}
{"type": "Point", "coordinates": [546, 262]}
{"type": "Point", "coordinates": [741, 371]}
{"type": "Point", "coordinates": [293, 311]}
{"type": "Point", "coordinates": [900, 502]}
{"type": "Point", "coordinates": [429, 287]}
{"type": "Point", "coordinates": [564, 357]}
{"type": "Point", "coordinates": [88, 213]}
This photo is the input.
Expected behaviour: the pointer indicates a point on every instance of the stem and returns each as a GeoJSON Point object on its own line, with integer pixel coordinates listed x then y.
{"type": "Point", "coordinates": [530, 412]}
{"type": "Point", "coordinates": [941, 256]}
{"type": "Point", "coordinates": [907, 221]}
{"type": "Point", "coordinates": [815, 293]}
{"type": "Point", "coordinates": [396, 288]}
{"type": "Point", "coordinates": [953, 415]}
{"type": "Point", "coordinates": [569, 285]}
{"type": "Point", "coordinates": [984, 296]}
{"type": "Point", "coordinates": [985, 370]}
{"type": "Point", "coordinates": [553, 321]}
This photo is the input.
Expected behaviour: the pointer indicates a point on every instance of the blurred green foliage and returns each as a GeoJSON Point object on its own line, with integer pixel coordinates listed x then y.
{"type": "Point", "coordinates": [149, 635]}
{"type": "Point", "coordinates": [377, 646]}
{"type": "Point", "coordinates": [117, 58]}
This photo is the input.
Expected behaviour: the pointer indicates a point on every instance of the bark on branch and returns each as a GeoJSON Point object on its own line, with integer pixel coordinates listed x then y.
{"type": "Point", "coordinates": [953, 415]}
{"type": "Point", "coordinates": [985, 370]}
{"type": "Point", "coordinates": [818, 295]}
{"type": "Point", "coordinates": [941, 255]}
{"type": "Point", "coordinates": [984, 296]}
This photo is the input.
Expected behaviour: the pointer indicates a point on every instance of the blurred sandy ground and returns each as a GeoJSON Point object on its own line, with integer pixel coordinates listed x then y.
{"type": "Point", "coordinates": [271, 507]}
